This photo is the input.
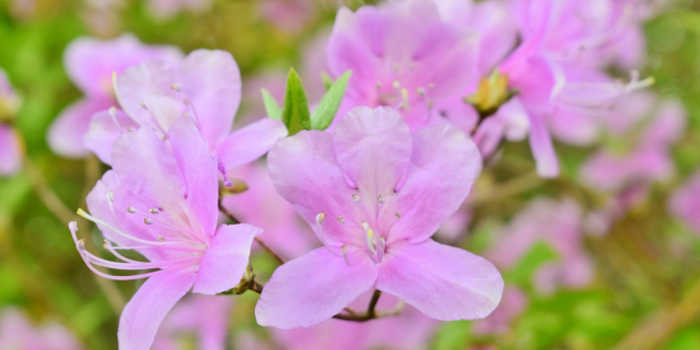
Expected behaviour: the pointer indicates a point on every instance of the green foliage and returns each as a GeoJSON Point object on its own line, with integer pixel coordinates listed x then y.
{"type": "Point", "coordinates": [328, 107]}
{"type": "Point", "coordinates": [295, 113]}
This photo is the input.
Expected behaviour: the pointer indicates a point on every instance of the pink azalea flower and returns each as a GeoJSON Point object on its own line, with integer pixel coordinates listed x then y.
{"type": "Point", "coordinates": [512, 305]}
{"type": "Point", "coordinates": [205, 85]}
{"type": "Point", "coordinates": [290, 16]}
{"type": "Point", "coordinates": [492, 20]}
{"type": "Point", "coordinates": [402, 55]}
{"type": "Point", "coordinates": [594, 32]}
{"type": "Point", "coordinates": [90, 64]}
{"type": "Point", "coordinates": [685, 202]}
{"type": "Point", "coordinates": [260, 205]}
{"type": "Point", "coordinates": [165, 9]}
{"type": "Point", "coordinates": [10, 144]}
{"type": "Point", "coordinates": [646, 134]}
{"type": "Point", "coordinates": [205, 317]}
{"type": "Point", "coordinates": [409, 330]}
{"type": "Point", "coordinates": [161, 201]}
{"type": "Point", "coordinates": [374, 195]}
{"type": "Point", "coordinates": [17, 332]}
{"type": "Point", "coordinates": [553, 88]}
{"type": "Point", "coordinates": [559, 224]}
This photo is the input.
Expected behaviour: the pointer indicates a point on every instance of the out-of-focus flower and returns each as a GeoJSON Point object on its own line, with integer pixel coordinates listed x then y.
{"type": "Point", "coordinates": [161, 201]}
{"type": "Point", "coordinates": [260, 205]}
{"type": "Point", "coordinates": [402, 55]}
{"type": "Point", "coordinates": [685, 202]}
{"type": "Point", "coordinates": [557, 223]}
{"type": "Point", "coordinates": [409, 330]}
{"type": "Point", "coordinates": [165, 9]}
{"type": "Point", "coordinates": [640, 134]}
{"type": "Point", "coordinates": [206, 85]}
{"type": "Point", "coordinates": [10, 144]}
{"type": "Point", "coordinates": [90, 64]}
{"type": "Point", "coordinates": [375, 194]}
{"type": "Point", "coordinates": [17, 332]}
{"type": "Point", "coordinates": [197, 322]}
{"type": "Point", "coordinates": [287, 15]}
{"type": "Point", "coordinates": [499, 321]}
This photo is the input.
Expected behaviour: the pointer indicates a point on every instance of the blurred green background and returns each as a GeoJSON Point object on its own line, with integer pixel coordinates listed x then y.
{"type": "Point", "coordinates": [644, 292]}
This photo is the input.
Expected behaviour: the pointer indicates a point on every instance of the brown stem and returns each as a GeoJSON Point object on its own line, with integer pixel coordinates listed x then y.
{"type": "Point", "coordinates": [262, 244]}
{"type": "Point", "coordinates": [46, 195]}
{"type": "Point", "coordinates": [655, 331]}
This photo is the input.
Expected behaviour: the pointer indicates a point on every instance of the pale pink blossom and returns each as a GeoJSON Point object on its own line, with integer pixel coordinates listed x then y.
{"type": "Point", "coordinates": [10, 143]}
{"type": "Point", "coordinates": [374, 195]}
{"type": "Point", "coordinates": [685, 202]}
{"type": "Point", "coordinates": [558, 224]}
{"type": "Point", "coordinates": [161, 200]}
{"type": "Point", "coordinates": [90, 64]}
{"type": "Point", "coordinates": [17, 332]}
{"type": "Point", "coordinates": [202, 318]}
{"type": "Point", "coordinates": [641, 132]}
{"type": "Point", "coordinates": [403, 55]}
{"type": "Point", "coordinates": [205, 85]}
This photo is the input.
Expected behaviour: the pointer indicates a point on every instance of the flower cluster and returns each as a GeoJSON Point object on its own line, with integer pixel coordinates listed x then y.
{"type": "Point", "coordinates": [346, 184]}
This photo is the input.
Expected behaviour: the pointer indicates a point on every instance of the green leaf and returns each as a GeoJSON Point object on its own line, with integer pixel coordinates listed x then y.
{"type": "Point", "coordinates": [328, 107]}
{"type": "Point", "coordinates": [327, 80]}
{"type": "Point", "coordinates": [271, 107]}
{"type": "Point", "coordinates": [295, 114]}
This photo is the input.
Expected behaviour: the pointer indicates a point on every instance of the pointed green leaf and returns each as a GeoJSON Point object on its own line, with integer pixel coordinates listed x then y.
{"type": "Point", "coordinates": [271, 107]}
{"type": "Point", "coordinates": [295, 114]}
{"type": "Point", "coordinates": [327, 80]}
{"type": "Point", "coordinates": [328, 107]}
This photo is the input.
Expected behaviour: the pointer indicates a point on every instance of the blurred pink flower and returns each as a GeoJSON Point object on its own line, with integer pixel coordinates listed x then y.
{"type": "Point", "coordinates": [260, 205]}
{"type": "Point", "coordinates": [557, 223]}
{"type": "Point", "coordinates": [17, 332]}
{"type": "Point", "coordinates": [685, 202]}
{"type": "Point", "coordinates": [90, 64]}
{"type": "Point", "coordinates": [166, 9]}
{"type": "Point", "coordinates": [641, 131]}
{"type": "Point", "coordinates": [161, 201]}
{"type": "Point", "coordinates": [205, 317]}
{"type": "Point", "coordinates": [499, 321]}
{"type": "Point", "coordinates": [409, 330]}
{"type": "Point", "coordinates": [205, 85]}
{"type": "Point", "coordinates": [10, 144]}
{"type": "Point", "coordinates": [403, 55]}
{"type": "Point", "coordinates": [374, 195]}
{"type": "Point", "coordinates": [287, 15]}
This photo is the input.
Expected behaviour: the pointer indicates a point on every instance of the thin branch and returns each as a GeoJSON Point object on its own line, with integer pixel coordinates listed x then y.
{"type": "Point", "coordinates": [262, 244]}
{"type": "Point", "coordinates": [46, 195]}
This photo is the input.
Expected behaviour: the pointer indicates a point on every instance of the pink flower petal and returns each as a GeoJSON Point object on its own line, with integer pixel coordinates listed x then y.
{"type": "Point", "coordinates": [444, 163]}
{"type": "Point", "coordinates": [305, 172]}
{"type": "Point", "coordinates": [443, 282]}
{"type": "Point", "coordinates": [226, 259]}
{"type": "Point", "coordinates": [312, 288]}
{"type": "Point", "coordinates": [104, 130]}
{"type": "Point", "coordinates": [200, 173]}
{"type": "Point", "coordinates": [250, 143]}
{"type": "Point", "coordinates": [146, 93]}
{"type": "Point", "coordinates": [91, 62]}
{"type": "Point", "coordinates": [10, 151]}
{"type": "Point", "coordinates": [212, 83]}
{"type": "Point", "coordinates": [373, 149]}
{"type": "Point", "coordinates": [145, 311]}
{"type": "Point", "coordinates": [65, 136]}
{"type": "Point", "coordinates": [542, 148]}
